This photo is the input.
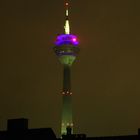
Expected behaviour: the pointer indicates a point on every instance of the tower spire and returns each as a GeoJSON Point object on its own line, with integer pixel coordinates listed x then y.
{"type": "Point", "coordinates": [67, 26]}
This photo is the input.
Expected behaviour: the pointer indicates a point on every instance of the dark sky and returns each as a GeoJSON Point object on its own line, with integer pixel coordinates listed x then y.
{"type": "Point", "coordinates": [105, 78]}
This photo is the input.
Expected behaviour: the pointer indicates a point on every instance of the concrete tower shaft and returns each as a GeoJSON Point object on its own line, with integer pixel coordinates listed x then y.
{"type": "Point", "coordinates": [66, 78]}
{"type": "Point", "coordinates": [66, 101]}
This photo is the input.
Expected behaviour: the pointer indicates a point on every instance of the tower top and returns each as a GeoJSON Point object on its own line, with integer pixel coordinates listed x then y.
{"type": "Point", "coordinates": [67, 26]}
{"type": "Point", "coordinates": [66, 45]}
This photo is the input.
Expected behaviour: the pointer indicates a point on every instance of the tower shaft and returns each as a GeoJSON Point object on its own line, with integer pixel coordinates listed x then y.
{"type": "Point", "coordinates": [66, 101]}
{"type": "Point", "coordinates": [66, 78]}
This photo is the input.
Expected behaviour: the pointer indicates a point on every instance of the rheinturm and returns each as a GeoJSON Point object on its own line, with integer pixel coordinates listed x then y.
{"type": "Point", "coordinates": [66, 48]}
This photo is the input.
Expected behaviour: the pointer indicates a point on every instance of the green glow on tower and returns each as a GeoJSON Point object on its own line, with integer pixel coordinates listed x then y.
{"type": "Point", "coordinates": [67, 59]}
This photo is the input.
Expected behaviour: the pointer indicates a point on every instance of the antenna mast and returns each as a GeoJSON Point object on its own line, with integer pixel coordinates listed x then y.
{"type": "Point", "coordinates": [67, 26]}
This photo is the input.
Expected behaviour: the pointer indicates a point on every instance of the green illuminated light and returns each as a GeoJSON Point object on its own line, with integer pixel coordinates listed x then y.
{"type": "Point", "coordinates": [67, 59]}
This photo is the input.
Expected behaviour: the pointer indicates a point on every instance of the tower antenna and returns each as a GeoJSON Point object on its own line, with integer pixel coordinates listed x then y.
{"type": "Point", "coordinates": [67, 26]}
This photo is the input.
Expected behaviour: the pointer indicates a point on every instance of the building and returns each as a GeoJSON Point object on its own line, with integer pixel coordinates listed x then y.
{"type": "Point", "coordinates": [17, 129]}
{"type": "Point", "coordinates": [66, 48]}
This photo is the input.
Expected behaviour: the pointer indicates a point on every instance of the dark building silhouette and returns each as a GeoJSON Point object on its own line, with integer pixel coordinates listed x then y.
{"type": "Point", "coordinates": [129, 137]}
{"type": "Point", "coordinates": [17, 129]}
{"type": "Point", "coordinates": [139, 131]}
{"type": "Point", "coordinates": [83, 137]}
{"type": "Point", "coordinates": [17, 124]}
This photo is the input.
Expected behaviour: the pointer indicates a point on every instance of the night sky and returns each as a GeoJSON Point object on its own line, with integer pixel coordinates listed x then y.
{"type": "Point", "coordinates": [105, 77]}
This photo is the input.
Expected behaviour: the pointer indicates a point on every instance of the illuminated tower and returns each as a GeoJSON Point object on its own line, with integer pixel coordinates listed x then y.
{"type": "Point", "coordinates": [66, 48]}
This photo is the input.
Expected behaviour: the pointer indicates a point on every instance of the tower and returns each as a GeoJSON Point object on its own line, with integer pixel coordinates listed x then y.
{"type": "Point", "coordinates": [66, 48]}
